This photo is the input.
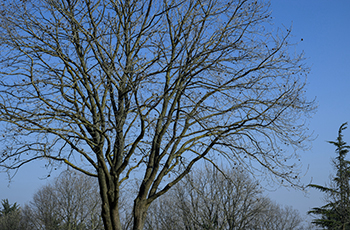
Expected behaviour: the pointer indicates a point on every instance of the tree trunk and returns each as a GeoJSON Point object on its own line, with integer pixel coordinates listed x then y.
{"type": "Point", "coordinates": [110, 217]}
{"type": "Point", "coordinates": [109, 192]}
{"type": "Point", "coordinates": [139, 213]}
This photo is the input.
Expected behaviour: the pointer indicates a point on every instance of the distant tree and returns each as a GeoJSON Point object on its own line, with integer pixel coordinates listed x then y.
{"type": "Point", "coordinates": [10, 216]}
{"type": "Point", "coordinates": [336, 213]}
{"type": "Point", "coordinates": [279, 217]}
{"type": "Point", "coordinates": [209, 200]}
{"type": "Point", "coordinates": [144, 89]}
{"type": "Point", "coordinates": [71, 203]}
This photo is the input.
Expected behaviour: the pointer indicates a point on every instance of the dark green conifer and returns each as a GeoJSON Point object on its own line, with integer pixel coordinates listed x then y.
{"type": "Point", "coordinates": [336, 213]}
{"type": "Point", "coordinates": [7, 208]}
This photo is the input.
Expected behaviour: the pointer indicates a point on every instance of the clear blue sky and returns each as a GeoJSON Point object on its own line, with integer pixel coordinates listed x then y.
{"type": "Point", "coordinates": [324, 26]}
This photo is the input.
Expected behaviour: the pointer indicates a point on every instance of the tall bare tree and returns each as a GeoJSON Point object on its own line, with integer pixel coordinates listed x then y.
{"type": "Point", "coordinates": [144, 89]}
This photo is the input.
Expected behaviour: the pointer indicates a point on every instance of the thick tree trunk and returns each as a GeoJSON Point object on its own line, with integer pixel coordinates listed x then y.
{"type": "Point", "coordinates": [110, 217]}
{"type": "Point", "coordinates": [139, 213]}
{"type": "Point", "coordinates": [109, 192]}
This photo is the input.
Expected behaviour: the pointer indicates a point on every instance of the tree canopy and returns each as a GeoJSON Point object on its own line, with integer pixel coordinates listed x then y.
{"type": "Point", "coordinates": [145, 89]}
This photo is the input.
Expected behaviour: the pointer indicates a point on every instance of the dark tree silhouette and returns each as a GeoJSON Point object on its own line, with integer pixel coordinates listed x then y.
{"type": "Point", "coordinates": [336, 213]}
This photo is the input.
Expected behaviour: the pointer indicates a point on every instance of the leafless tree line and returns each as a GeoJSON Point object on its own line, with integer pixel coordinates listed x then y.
{"type": "Point", "coordinates": [205, 200]}
{"type": "Point", "coordinates": [208, 199]}
{"type": "Point", "coordinates": [71, 202]}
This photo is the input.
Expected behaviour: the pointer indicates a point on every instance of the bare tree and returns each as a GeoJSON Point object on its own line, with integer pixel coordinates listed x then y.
{"type": "Point", "coordinates": [207, 199]}
{"type": "Point", "coordinates": [116, 89]}
{"type": "Point", "coordinates": [42, 212]}
{"type": "Point", "coordinates": [278, 217]}
{"type": "Point", "coordinates": [71, 203]}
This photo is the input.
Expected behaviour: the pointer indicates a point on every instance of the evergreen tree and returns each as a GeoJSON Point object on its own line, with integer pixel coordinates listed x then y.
{"type": "Point", "coordinates": [7, 208]}
{"type": "Point", "coordinates": [336, 213]}
{"type": "Point", "coordinates": [10, 216]}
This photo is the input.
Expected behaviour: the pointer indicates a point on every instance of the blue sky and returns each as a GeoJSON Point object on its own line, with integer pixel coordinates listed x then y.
{"type": "Point", "coordinates": [324, 26]}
